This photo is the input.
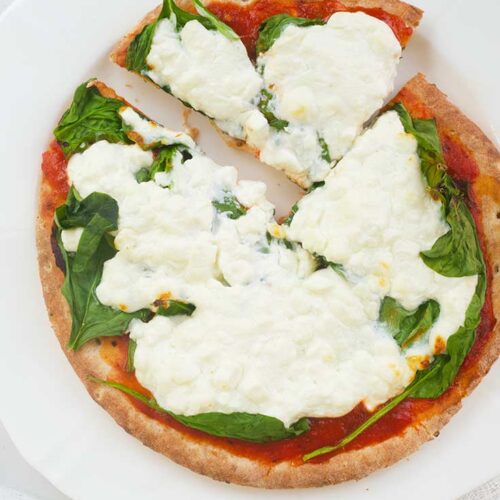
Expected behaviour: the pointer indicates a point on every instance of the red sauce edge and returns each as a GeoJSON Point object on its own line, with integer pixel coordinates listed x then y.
{"type": "Point", "coordinates": [246, 19]}
{"type": "Point", "coordinates": [324, 431]}
{"type": "Point", "coordinates": [54, 173]}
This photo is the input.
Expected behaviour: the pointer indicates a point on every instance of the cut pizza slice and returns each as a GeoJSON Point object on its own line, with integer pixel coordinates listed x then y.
{"type": "Point", "coordinates": [293, 82]}
{"type": "Point", "coordinates": [273, 355]}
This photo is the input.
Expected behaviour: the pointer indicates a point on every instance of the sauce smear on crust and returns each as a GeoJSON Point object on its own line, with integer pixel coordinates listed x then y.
{"type": "Point", "coordinates": [54, 178]}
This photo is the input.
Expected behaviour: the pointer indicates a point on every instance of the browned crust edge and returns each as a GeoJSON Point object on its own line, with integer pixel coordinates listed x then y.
{"type": "Point", "coordinates": [410, 15]}
{"type": "Point", "coordinates": [221, 464]}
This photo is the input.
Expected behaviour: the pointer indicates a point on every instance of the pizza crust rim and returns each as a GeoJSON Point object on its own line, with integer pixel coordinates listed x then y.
{"type": "Point", "coordinates": [221, 464]}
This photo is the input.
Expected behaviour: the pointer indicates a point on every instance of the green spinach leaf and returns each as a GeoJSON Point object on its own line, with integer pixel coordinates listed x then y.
{"type": "Point", "coordinates": [163, 160]}
{"type": "Point", "coordinates": [90, 118]}
{"type": "Point", "coordinates": [457, 347]}
{"type": "Point", "coordinates": [139, 49]}
{"type": "Point", "coordinates": [315, 185]}
{"type": "Point", "coordinates": [408, 325]}
{"type": "Point", "coordinates": [322, 263]}
{"type": "Point", "coordinates": [161, 163]}
{"type": "Point", "coordinates": [176, 308]}
{"type": "Point", "coordinates": [292, 213]}
{"type": "Point", "coordinates": [456, 253]}
{"type": "Point", "coordinates": [230, 206]}
{"type": "Point", "coordinates": [132, 345]}
{"type": "Point", "coordinates": [215, 21]}
{"type": "Point", "coordinates": [325, 152]}
{"type": "Point", "coordinates": [264, 107]}
{"type": "Point", "coordinates": [78, 213]}
{"type": "Point", "coordinates": [143, 175]}
{"type": "Point", "coordinates": [98, 213]}
{"type": "Point", "coordinates": [289, 245]}
{"type": "Point", "coordinates": [429, 147]}
{"type": "Point", "coordinates": [271, 29]}
{"type": "Point", "coordinates": [245, 426]}
{"type": "Point", "coordinates": [181, 17]}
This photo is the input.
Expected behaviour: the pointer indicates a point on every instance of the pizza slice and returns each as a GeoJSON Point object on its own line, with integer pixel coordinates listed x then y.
{"type": "Point", "coordinates": [264, 354]}
{"type": "Point", "coordinates": [291, 81]}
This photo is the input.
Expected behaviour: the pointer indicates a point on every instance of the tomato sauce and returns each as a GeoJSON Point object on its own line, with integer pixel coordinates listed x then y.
{"type": "Point", "coordinates": [324, 431]}
{"type": "Point", "coordinates": [246, 19]}
{"type": "Point", "coordinates": [54, 174]}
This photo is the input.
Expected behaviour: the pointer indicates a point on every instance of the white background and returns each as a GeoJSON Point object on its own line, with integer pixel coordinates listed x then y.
{"type": "Point", "coordinates": [48, 47]}
{"type": "Point", "coordinates": [15, 472]}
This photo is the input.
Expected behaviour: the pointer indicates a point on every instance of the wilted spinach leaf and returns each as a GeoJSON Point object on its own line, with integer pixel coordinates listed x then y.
{"type": "Point", "coordinates": [161, 163]}
{"type": "Point", "coordinates": [264, 108]}
{"type": "Point", "coordinates": [98, 214]}
{"type": "Point", "coordinates": [271, 29]}
{"type": "Point", "coordinates": [230, 206]}
{"type": "Point", "coordinates": [408, 325]}
{"type": "Point", "coordinates": [214, 21]}
{"type": "Point", "coordinates": [176, 308]}
{"type": "Point", "coordinates": [325, 152]}
{"type": "Point", "coordinates": [139, 49]}
{"type": "Point", "coordinates": [130, 355]}
{"type": "Point", "coordinates": [245, 426]}
{"type": "Point", "coordinates": [322, 263]}
{"type": "Point", "coordinates": [456, 253]}
{"type": "Point", "coordinates": [90, 118]}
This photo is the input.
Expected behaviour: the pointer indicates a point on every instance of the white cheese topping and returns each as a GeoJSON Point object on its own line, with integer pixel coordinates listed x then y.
{"type": "Point", "coordinates": [269, 334]}
{"type": "Point", "coordinates": [290, 348]}
{"type": "Point", "coordinates": [327, 81]}
{"type": "Point", "coordinates": [152, 133]}
{"type": "Point", "coordinates": [204, 68]}
{"type": "Point", "coordinates": [373, 216]}
{"type": "Point", "coordinates": [108, 168]}
{"type": "Point", "coordinates": [332, 78]}
{"type": "Point", "coordinates": [71, 238]}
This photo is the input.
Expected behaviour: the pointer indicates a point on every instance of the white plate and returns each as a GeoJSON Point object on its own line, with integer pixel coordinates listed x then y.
{"type": "Point", "coordinates": [47, 48]}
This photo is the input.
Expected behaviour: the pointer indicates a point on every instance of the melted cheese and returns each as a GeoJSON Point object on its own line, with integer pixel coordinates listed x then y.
{"type": "Point", "coordinates": [70, 238]}
{"type": "Point", "coordinates": [374, 216]}
{"type": "Point", "coordinates": [271, 335]}
{"type": "Point", "coordinates": [288, 348]}
{"type": "Point", "coordinates": [205, 69]}
{"type": "Point", "coordinates": [332, 78]}
{"type": "Point", "coordinates": [153, 134]}
{"type": "Point", "coordinates": [327, 80]}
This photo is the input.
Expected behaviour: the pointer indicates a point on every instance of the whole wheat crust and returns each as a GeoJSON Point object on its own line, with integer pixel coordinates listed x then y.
{"type": "Point", "coordinates": [409, 14]}
{"type": "Point", "coordinates": [220, 463]}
